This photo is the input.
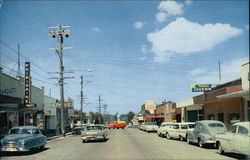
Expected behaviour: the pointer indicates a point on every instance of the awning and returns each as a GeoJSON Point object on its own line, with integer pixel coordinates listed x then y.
{"type": "Point", "coordinates": [157, 116]}
{"type": "Point", "coordinates": [244, 93]}
{"type": "Point", "coordinates": [9, 100]}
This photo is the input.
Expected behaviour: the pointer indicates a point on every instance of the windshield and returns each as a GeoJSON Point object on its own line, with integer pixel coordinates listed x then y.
{"type": "Point", "coordinates": [20, 131]}
{"type": "Point", "coordinates": [94, 128]}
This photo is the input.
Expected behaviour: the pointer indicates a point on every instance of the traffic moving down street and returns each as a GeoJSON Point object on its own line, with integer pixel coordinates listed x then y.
{"type": "Point", "coordinates": [128, 143]}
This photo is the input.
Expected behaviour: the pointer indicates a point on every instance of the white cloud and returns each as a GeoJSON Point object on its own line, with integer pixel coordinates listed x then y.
{"type": "Point", "coordinates": [182, 37]}
{"type": "Point", "coordinates": [188, 2]}
{"type": "Point", "coordinates": [138, 25]}
{"type": "Point", "coordinates": [144, 48]}
{"type": "Point", "coordinates": [197, 71]}
{"type": "Point", "coordinates": [143, 58]}
{"type": "Point", "coordinates": [247, 27]}
{"type": "Point", "coordinates": [161, 17]}
{"type": "Point", "coordinates": [229, 71]}
{"type": "Point", "coordinates": [95, 29]}
{"type": "Point", "coordinates": [171, 7]}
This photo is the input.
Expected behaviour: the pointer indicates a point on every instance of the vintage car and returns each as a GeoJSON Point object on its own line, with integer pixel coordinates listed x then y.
{"type": "Point", "coordinates": [162, 129]}
{"type": "Point", "coordinates": [77, 130]}
{"type": "Point", "coordinates": [179, 130]}
{"type": "Point", "coordinates": [23, 138]}
{"type": "Point", "coordinates": [94, 132]}
{"type": "Point", "coordinates": [237, 140]}
{"type": "Point", "coordinates": [205, 132]}
{"type": "Point", "coordinates": [151, 127]}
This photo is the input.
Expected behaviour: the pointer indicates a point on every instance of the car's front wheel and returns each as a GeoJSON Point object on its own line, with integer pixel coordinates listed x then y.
{"type": "Point", "coordinates": [181, 138]}
{"type": "Point", "coordinates": [168, 136]}
{"type": "Point", "coordinates": [221, 151]}
{"type": "Point", "coordinates": [42, 147]}
{"type": "Point", "coordinates": [188, 141]}
{"type": "Point", "coordinates": [200, 143]}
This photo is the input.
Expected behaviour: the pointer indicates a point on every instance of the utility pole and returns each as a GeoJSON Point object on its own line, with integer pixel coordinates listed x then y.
{"type": "Point", "coordinates": [105, 112]}
{"type": "Point", "coordinates": [99, 108]}
{"type": "Point", "coordinates": [81, 97]}
{"type": "Point", "coordinates": [59, 34]}
{"type": "Point", "coordinates": [219, 72]}
{"type": "Point", "coordinates": [18, 61]}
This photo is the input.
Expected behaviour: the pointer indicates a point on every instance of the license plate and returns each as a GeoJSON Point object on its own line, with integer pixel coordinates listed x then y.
{"type": "Point", "coordinates": [10, 149]}
{"type": "Point", "coordinates": [92, 139]}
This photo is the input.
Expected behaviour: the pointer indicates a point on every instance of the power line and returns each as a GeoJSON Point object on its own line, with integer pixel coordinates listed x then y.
{"type": "Point", "coordinates": [22, 56]}
{"type": "Point", "coordinates": [23, 75]}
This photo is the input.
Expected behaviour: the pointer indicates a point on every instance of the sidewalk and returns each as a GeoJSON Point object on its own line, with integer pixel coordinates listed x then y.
{"type": "Point", "coordinates": [54, 137]}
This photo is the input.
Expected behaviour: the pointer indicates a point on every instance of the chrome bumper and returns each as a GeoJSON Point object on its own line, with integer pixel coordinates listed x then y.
{"type": "Point", "coordinates": [92, 138]}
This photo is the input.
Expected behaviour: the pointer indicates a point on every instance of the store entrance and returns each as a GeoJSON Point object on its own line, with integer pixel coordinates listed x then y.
{"type": "Point", "coordinates": [3, 123]}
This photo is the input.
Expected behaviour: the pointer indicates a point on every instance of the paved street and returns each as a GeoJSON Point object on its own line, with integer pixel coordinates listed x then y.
{"type": "Point", "coordinates": [122, 144]}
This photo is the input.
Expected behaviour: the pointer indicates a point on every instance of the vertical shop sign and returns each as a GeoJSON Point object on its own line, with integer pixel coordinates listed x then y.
{"type": "Point", "coordinates": [27, 85]}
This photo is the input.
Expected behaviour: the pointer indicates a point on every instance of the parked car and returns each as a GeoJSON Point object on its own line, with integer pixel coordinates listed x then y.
{"type": "Point", "coordinates": [162, 129]}
{"type": "Point", "coordinates": [77, 130]}
{"type": "Point", "coordinates": [151, 127]}
{"type": "Point", "coordinates": [94, 132]}
{"type": "Point", "coordinates": [179, 130]}
{"type": "Point", "coordinates": [142, 126]}
{"type": "Point", "coordinates": [23, 138]}
{"type": "Point", "coordinates": [205, 132]}
{"type": "Point", "coordinates": [237, 140]}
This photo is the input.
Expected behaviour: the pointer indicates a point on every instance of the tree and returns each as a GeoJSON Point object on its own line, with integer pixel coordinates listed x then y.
{"type": "Point", "coordinates": [130, 116]}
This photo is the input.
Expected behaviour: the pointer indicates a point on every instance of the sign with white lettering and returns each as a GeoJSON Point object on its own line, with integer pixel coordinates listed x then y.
{"type": "Point", "coordinates": [27, 86]}
{"type": "Point", "coordinates": [201, 87]}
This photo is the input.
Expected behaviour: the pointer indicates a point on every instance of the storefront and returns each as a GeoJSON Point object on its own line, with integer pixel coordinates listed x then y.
{"type": "Point", "coordinates": [190, 112]}
{"type": "Point", "coordinates": [12, 110]}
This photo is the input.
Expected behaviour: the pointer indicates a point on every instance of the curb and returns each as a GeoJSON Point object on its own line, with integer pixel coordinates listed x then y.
{"type": "Point", "coordinates": [54, 137]}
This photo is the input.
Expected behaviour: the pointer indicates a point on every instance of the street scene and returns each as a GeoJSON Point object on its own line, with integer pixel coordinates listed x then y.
{"type": "Point", "coordinates": [124, 144]}
{"type": "Point", "coordinates": [118, 79]}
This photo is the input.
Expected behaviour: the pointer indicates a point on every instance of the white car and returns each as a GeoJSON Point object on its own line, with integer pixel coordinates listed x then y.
{"type": "Point", "coordinates": [162, 129]}
{"type": "Point", "coordinates": [179, 130]}
{"type": "Point", "coordinates": [94, 132]}
{"type": "Point", "coordinates": [151, 127]}
{"type": "Point", "coordinates": [237, 140]}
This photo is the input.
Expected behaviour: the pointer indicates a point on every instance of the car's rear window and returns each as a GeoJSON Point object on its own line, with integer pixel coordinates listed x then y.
{"type": "Point", "coordinates": [215, 125]}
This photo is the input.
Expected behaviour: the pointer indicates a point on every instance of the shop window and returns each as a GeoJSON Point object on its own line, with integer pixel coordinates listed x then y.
{"type": "Point", "coordinates": [21, 119]}
{"type": "Point", "coordinates": [173, 117]}
{"type": "Point", "coordinates": [12, 119]}
{"type": "Point", "coordinates": [221, 117]}
{"type": "Point", "coordinates": [248, 110]}
{"type": "Point", "coordinates": [234, 117]}
{"type": "Point", "coordinates": [3, 122]}
{"type": "Point", "coordinates": [201, 111]}
{"type": "Point", "coordinates": [211, 117]}
{"type": "Point", "coordinates": [30, 119]}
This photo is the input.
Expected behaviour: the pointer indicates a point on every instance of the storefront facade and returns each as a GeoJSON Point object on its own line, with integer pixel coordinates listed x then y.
{"type": "Point", "coordinates": [190, 112]}
{"type": "Point", "coordinates": [12, 111]}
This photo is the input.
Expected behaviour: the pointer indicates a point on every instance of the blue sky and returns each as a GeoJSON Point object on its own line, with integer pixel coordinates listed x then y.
{"type": "Point", "coordinates": [137, 50]}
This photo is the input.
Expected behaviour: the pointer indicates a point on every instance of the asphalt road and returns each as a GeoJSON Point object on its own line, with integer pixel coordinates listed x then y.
{"type": "Point", "coordinates": [122, 144]}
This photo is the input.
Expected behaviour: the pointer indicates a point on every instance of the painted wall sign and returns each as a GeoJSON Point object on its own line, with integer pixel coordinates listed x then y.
{"type": "Point", "coordinates": [7, 91]}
